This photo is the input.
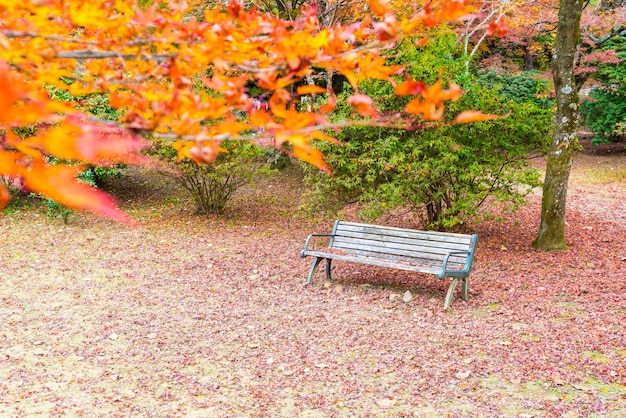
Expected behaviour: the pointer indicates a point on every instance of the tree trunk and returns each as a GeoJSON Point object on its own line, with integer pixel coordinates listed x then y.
{"type": "Point", "coordinates": [552, 229]}
{"type": "Point", "coordinates": [528, 58]}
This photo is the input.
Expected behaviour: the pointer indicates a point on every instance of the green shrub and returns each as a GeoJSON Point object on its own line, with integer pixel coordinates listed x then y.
{"type": "Point", "coordinates": [97, 105]}
{"type": "Point", "coordinates": [605, 111]}
{"type": "Point", "coordinates": [442, 174]}
{"type": "Point", "coordinates": [211, 186]}
{"type": "Point", "coordinates": [521, 88]}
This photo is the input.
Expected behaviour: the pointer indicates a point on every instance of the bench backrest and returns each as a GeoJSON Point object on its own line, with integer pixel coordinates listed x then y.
{"type": "Point", "coordinates": [421, 247]}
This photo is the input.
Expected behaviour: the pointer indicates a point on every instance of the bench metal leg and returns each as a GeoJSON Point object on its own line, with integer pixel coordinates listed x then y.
{"type": "Point", "coordinates": [450, 295]}
{"type": "Point", "coordinates": [316, 263]}
{"type": "Point", "coordinates": [465, 288]}
{"type": "Point", "coordinates": [328, 275]}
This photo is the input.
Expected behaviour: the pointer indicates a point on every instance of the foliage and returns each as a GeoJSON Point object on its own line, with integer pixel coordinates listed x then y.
{"type": "Point", "coordinates": [445, 173]}
{"type": "Point", "coordinates": [56, 210]}
{"type": "Point", "coordinates": [605, 112]}
{"type": "Point", "coordinates": [211, 186]}
{"type": "Point", "coordinates": [521, 88]}
{"type": "Point", "coordinates": [144, 60]}
{"type": "Point", "coordinates": [97, 105]}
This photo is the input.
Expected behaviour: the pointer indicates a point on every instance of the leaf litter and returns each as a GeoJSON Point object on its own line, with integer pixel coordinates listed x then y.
{"type": "Point", "coordinates": [191, 316]}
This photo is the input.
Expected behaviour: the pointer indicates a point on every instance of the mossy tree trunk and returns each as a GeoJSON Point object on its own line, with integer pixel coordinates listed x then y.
{"type": "Point", "coordinates": [552, 229]}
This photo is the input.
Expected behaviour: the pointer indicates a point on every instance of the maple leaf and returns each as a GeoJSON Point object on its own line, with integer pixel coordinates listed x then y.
{"type": "Point", "coordinates": [148, 17]}
{"type": "Point", "coordinates": [91, 143]}
{"type": "Point", "coordinates": [497, 28]}
{"type": "Point", "coordinates": [330, 104]}
{"type": "Point", "coordinates": [310, 89]}
{"type": "Point", "coordinates": [426, 109]}
{"type": "Point", "coordinates": [409, 87]}
{"type": "Point", "coordinates": [4, 196]}
{"type": "Point", "coordinates": [323, 137]}
{"type": "Point", "coordinates": [58, 182]}
{"type": "Point", "coordinates": [473, 116]}
{"type": "Point", "coordinates": [363, 104]}
{"type": "Point", "coordinates": [380, 7]}
{"type": "Point", "coordinates": [303, 150]}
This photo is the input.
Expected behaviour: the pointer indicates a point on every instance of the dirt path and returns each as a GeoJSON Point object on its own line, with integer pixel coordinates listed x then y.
{"type": "Point", "coordinates": [188, 316]}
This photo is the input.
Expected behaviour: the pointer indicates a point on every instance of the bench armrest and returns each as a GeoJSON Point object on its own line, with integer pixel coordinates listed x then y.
{"type": "Point", "coordinates": [306, 244]}
{"type": "Point", "coordinates": [444, 267]}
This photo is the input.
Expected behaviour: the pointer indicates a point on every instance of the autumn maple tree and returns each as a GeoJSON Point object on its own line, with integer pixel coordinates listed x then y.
{"type": "Point", "coordinates": [181, 73]}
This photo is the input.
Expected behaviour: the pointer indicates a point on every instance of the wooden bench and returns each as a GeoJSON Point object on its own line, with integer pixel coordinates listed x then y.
{"type": "Point", "coordinates": [439, 253]}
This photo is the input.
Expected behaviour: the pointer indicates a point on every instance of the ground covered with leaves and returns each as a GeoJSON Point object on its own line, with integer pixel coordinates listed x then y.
{"type": "Point", "coordinates": [209, 317]}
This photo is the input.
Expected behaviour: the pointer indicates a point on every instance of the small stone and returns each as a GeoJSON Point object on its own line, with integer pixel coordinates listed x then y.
{"type": "Point", "coordinates": [463, 375]}
{"type": "Point", "coordinates": [407, 297]}
{"type": "Point", "coordinates": [385, 403]}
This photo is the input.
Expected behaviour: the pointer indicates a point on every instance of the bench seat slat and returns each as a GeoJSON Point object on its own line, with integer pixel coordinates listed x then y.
{"type": "Point", "coordinates": [377, 262]}
{"type": "Point", "coordinates": [395, 248]}
{"type": "Point", "coordinates": [416, 259]}
{"type": "Point", "coordinates": [382, 252]}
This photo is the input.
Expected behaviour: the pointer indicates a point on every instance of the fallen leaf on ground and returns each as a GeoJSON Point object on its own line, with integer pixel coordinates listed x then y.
{"type": "Point", "coordinates": [583, 387]}
{"type": "Point", "coordinates": [557, 379]}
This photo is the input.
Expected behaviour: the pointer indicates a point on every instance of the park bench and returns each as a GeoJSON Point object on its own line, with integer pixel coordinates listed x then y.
{"type": "Point", "coordinates": [439, 253]}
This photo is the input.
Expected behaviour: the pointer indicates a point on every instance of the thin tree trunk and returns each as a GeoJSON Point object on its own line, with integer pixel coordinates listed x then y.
{"type": "Point", "coordinates": [528, 58]}
{"type": "Point", "coordinates": [552, 229]}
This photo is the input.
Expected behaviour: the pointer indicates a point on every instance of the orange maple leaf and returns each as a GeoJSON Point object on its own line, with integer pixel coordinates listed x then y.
{"type": "Point", "coordinates": [4, 196]}
{"type": "Point", "coordinates": [58, 182]}
{"type": "Point", "coordinates": [310, 89]}
{"type": "Point", "coordinates": [363, 104]}
{"type": "Point", "coordinates": [91, 143]}
{"type": "Point", "coordinates": [473, 116]}
{"type": "Point", "coordinates": [380, 7]}
{"type": "Point", "coordinates": [409, 87]}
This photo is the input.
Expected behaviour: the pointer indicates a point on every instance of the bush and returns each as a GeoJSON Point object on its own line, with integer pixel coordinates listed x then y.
{"type": "Point", "coordinates": [96, 104]}
{"type": "Point", "coordinates": [211, 186]}
{"type": "Point", "coordinates": [605, 111]}
{"type": "Point", "coordinates": [442, 174]}
{"type": "Point", "coordinates": [521, 88]}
